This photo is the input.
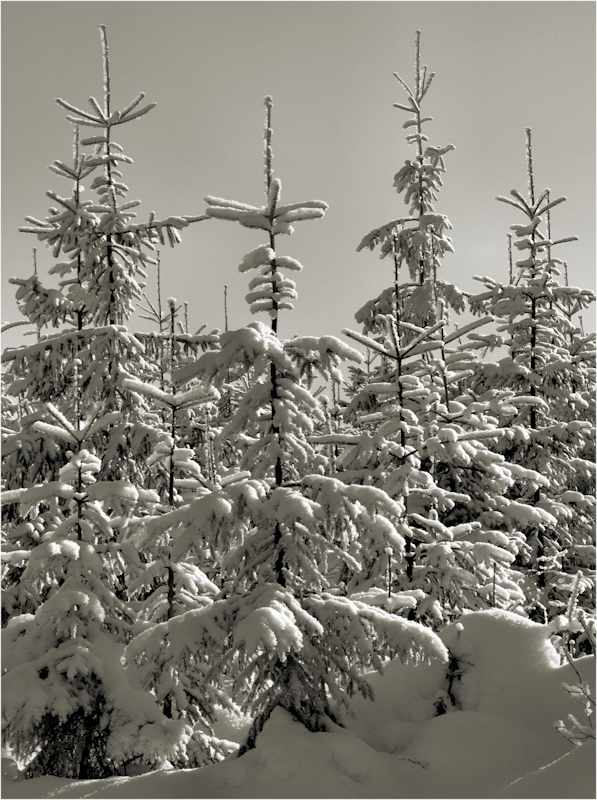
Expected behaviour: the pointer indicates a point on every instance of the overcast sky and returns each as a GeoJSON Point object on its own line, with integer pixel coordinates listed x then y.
{"type": "Point", "coordinates": [501, 66]}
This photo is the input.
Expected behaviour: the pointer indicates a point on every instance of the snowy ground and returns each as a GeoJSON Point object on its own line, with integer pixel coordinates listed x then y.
{"type": "Point", "coordinates": [501, 744]}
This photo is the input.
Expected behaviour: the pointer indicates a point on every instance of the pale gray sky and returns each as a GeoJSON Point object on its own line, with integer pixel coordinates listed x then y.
{"type": "Point", "coordinates": [501, 66]}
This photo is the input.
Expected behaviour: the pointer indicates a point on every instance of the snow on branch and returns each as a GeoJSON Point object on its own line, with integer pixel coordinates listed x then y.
{"type": "Point", "coordinates": [466, 328]}
{"type": "Point", "coordinates": [255, 344]}
{"type": "Point", "coordinates": [424, 335]}
{"type": "Point", "coordinates": [358, 337]}
{"type": "Point", "coordinates": [379, 235]}
{"type": "Point", "coordinates": [196, 395]}
{"type": "Point", "coordinates": [34, 494]}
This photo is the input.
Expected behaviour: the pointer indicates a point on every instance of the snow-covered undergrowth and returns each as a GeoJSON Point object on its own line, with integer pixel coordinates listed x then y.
{"type": "Point", "coordinates": [497, 741]}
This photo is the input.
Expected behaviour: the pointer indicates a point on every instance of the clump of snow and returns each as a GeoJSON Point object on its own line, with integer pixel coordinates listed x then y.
{"type": "Point", "coordinates": [497, 741]}
{"type": "Point", "coordinates": [499, 653]}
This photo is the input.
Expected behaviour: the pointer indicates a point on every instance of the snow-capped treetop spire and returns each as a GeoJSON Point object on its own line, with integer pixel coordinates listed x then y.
{"type": "Point", "coordinates": [101, 118]}
{"type": "Point", "coordinates": [418, 239]}
{"type": "Point", "coordinates": [270, 291]}
{"type": "Point", "coordinates": [268, 152]}
{"type": "Point", "coordinates": [417, 60]}
{"type": "Point", "coordinates": [422, 84]}
{"type": "Point", "coordinates": [530, 166]}
{"type": "Point", "coordinates": [106, 71]}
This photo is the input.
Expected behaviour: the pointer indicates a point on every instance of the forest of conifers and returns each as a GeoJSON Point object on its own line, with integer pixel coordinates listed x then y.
{"type": "Point", "coordinates": [192, 520]}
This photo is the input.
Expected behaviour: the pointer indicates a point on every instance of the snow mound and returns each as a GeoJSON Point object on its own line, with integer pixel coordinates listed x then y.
{"type": "Point", "coordinates": [509, 668]}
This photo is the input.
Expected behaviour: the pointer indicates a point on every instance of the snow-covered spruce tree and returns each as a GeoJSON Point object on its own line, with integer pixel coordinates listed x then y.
{"type": "Point", "coordinates": [166, 588]}
{"type": "Point", "coordinates": [170, 581]}
{"type": "Point", "coordinates": [278, 634]}
{"type": "Point", "coordinates": [414, 435]}
{"type": "Point", "coordinates": [549, 373]}
{"type": "Point", "coordinates": [74, 471]}
{"type": "Point", "coordinates": [173, 581]}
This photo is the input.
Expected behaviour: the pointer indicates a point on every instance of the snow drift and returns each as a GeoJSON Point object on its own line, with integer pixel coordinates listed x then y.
{"type": "Point", "coordinates": [497, 741]}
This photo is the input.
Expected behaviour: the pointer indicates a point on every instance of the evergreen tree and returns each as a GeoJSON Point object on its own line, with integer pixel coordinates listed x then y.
{"type": "Point", "coordinates": [75, 469]}
{"type": "Point", "coordinates": [548, 376]}
{"type": "Point", "coordinates": [418, 435]}
{"type": "Point", "coordinates": [279, 527]}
